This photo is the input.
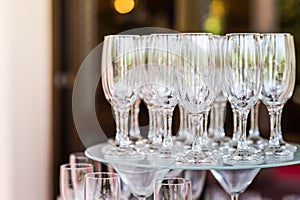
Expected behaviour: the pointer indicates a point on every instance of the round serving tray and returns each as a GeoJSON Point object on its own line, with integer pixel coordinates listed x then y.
{"type": "Point", "coordinates": [97, 152]}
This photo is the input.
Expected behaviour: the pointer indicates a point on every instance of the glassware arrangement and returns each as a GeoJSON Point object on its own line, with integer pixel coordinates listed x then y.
{"type": "Point", "coordinates": [199, 71]}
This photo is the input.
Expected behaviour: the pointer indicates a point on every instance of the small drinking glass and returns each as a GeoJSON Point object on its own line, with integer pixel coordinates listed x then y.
{"type": "Point", "coordinates": [102, 185]}
{"type": "Point", "coordinates": [173, 189]}
{"type": "Point", "coordinates": [72, 180]}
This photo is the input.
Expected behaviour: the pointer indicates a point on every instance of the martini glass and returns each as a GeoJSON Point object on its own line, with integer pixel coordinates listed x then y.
{"type": "Point", "coordinates": [235, 182]}
{"type": "Point", "coordinates": [140, 181]}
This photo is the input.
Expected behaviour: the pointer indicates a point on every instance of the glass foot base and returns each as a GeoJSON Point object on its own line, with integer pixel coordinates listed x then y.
{"type": "Point", "coordinates": [118, 153]}
{"type": "Point", "coordinates": [193, 157]}
{"type": "Point", "coordinates": [278, 154]}
{"type": "Point", "coordinates": [249, 156]}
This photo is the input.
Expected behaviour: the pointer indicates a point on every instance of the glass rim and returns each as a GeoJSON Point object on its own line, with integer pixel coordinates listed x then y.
{"type": "Point", "coordinates": [92, 176]}
{"type": "Point", "coordinates": [285, 34]}
{"type": "Point", "coordinates": [76, 166]}
{"type": "Point", "coordinates": [242, 34]}
{"type": "Point", "coordinates": [184, 181]}
{"type": "Point", "coordinates": [197, 33]}
{"type": "Point", "coordinates": [120, 35]}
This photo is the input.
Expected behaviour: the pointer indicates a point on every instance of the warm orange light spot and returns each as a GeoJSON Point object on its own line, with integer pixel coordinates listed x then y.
{"type": "Point", "coordinates": [124, 6]}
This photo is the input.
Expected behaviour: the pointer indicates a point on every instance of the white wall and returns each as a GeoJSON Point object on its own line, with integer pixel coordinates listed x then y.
{"type": "Point", "coordinates": [25, 99]}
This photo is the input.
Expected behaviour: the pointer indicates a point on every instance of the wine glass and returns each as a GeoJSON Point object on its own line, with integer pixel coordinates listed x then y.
{"type": "Point", "coordinates": [102, 185]}
{"type": "Point", "coordinates": [196, 87]}
{"type": "Point", "coordinates": [277, 86]}
{"type": "Point", "coordinates": [121, 82]}
{"type": "Point", "coordinates": [162, 57]}
{"type": "Point", "coordinates": [218, 108]}
{"type": "Point", "coordinates": [235, 182]}
{"type": "Point", "coordinates": [283, 143]}
{"type": "Point", "coordinates": [72, 180]}
{"type": "Point", "coordinates": [173, 189]}
{"type": "Point", "coordinates": [242, 69]}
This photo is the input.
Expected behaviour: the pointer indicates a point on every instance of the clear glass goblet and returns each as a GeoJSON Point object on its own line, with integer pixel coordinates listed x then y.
{"type": "Point", "coordinates": [121, 82]}
{"type": "Point", "coordinates": [218, 109]}
{"type": "Point", "coordinates": [235, 182]}
{"type": "Point", "coordinates": [242, 69]}
{"type": "Point", "coordinates": [72, 180]}
{"type": "Point", "coordinates": [196, 87]}
{"type": "Point", "coordinates": [161, 83]}
{"type": "Point", "coordinates": [102, 185]}
{"type": "Point", "coordinates": [277, 85]}
{"type": "Point", "coordinates": [173, 189]}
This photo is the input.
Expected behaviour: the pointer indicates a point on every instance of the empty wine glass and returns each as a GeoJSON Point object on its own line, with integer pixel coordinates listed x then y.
{"type": "Point", "coordinates": [72, 180]}
{"type": "Point", "coordinates": [173, 189]}
{"type": "Point", "coordinates": [102, 185]}
{"type": "Point", "coordinates": [218, 110]}
{"type": "Point", "coordinates": [277, 86]}
{"type": "Point", "coordinates": [235, 182]}
{"type": "Point", "coordinates": [162, 57]}
{"type": "Point", "coordinates": [121, 81]}
{"type": "Point", "coordinates": [196, 83]}
{"type": "Point", "coordinates": [242, 69]}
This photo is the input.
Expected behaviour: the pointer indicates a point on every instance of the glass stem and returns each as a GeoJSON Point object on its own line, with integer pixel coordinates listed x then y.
{"type": "Point", "coordinates": [234, 196]}
{"type": "Point", "coordinates": [197, 127]}
{"type": "Point", "coordinates": [124, 117]}
{"type": "Point", "coordinates": [278, 125]}
{"type": "Point", "coordinates": [136, 107]}
{"type": "Point", "coordinates": [242, 143]}
{"type": "Point", "coordinates": [117, 119]}
{"type": "Point", "coordinates": [211, 128]}
{"type": "Point", "coordinates": [204, 138]}
{"type": "Point", "coordinates": [254, 129]}
{"type": "Point", "coordinates": [168, 141]}
{"type": "Point", "coordinates": [222, 114]}
{"type": "Point", "coordinates": [235, 126]}
{"type": "Point", "coordinates": [273, 141]}
{"type": "Point", "coordinates": [216, 119]}
{"type": "Point", "coordinates": [182, 121]}
{"type": "Point", "coordinates": [151, 127]}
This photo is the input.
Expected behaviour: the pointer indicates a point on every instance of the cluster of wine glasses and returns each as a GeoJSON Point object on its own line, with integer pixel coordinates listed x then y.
{"type": "Point", "coordinates": [84, 179]}
{"type": "Point", "coordinates": [199, 72]}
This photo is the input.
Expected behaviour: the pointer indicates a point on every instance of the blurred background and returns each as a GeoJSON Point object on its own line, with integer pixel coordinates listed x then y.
{"type": "Point", "coordinates": [43, 44]}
